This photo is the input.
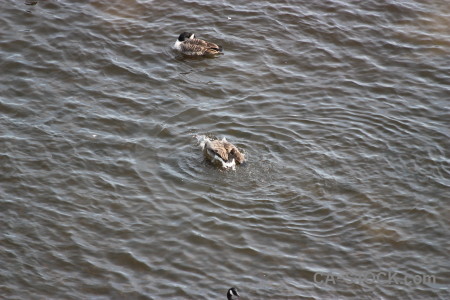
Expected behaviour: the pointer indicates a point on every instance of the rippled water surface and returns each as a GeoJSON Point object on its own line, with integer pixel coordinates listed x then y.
{"type": "Point", "coordinates": [342, 109]}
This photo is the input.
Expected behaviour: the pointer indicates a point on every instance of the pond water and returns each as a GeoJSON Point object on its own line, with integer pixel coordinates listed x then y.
{"type": "Point", "coordinates": [342, 109]}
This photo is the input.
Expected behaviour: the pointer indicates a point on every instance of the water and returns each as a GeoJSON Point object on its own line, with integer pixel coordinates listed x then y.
{"type": "Point", "coordinates": [342, 110]}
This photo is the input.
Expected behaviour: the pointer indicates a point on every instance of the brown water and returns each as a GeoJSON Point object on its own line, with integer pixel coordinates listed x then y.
{"type": "Point", "coordinates": [342, 109]}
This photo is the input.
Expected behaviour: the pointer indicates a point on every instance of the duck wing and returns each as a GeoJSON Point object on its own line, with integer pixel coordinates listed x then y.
{"type": "Point", "coordinates": [234, 152]}
{"type": "Point", "coordinates": [206, 44]}
{"type": "Point", "coordinates": [219, 149]}
{"type": "Point", "coordinates": [199, 47]}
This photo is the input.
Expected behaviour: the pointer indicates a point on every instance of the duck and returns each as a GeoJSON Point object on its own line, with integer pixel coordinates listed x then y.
{"type": "Point", "coordinates": [221, 153]}
{"type": "Point", "coordinates": [232, 294]}
{"type": "Point", "coordinates": [189, 45]}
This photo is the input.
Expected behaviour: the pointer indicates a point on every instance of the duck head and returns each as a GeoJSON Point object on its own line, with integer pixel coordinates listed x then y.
{"type": "Point", "coordinates": [232, 294]}
{"type": "Point", "coordinates": [186, 35]}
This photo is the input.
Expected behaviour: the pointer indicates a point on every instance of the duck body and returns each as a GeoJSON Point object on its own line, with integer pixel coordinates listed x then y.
{"type": "Point", "coordinates": [221, 153]}
{"type": "Point", "coordinates": [188, 45]}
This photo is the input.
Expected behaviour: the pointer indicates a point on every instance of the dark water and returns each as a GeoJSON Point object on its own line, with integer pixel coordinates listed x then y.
{"type": "Point", "coordinates": [342, 109]}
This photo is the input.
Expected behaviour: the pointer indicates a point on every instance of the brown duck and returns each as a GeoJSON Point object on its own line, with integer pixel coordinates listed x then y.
{"type": "Point", "coordinates": [187, 44]}
{"type": "Point", "coordinates": [221, 152]}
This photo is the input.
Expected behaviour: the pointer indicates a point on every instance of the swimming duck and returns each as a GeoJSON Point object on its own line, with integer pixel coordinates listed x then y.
{"type": "Point", "coordinates": [187, 44]}
{"type": "Point", "coordinates": [232, 294]}
{"type": "Point", "coordinates": [221, 152]}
